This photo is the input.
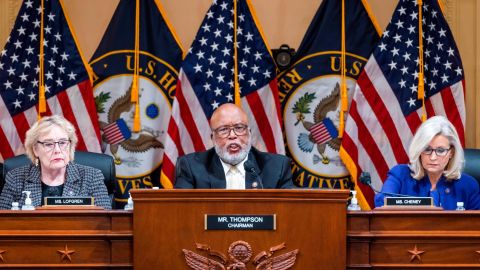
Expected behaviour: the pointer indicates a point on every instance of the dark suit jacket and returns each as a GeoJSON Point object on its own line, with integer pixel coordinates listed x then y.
{"type": "Point", "coordinates": [80, 181]}
{"type": "Point", "coordinates": [204, 170]}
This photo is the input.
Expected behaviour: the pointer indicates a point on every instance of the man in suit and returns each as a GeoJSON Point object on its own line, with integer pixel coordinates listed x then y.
{"type": "Point", "coordinates": [232, 163]}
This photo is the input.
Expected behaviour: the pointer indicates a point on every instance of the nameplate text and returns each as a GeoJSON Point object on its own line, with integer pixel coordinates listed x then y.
{"type": "Point", "coordinates": [240, 222]}
{"type": "Point", "coordinates": [69, 201]}
{"type": "Point", "coordinates": [408, 201]}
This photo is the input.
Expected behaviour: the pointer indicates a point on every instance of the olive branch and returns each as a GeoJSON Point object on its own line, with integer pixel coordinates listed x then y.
{"type": "Point", "coordinates": [302, 106]}
{"type": "Point", "coordinates": [100, 101]}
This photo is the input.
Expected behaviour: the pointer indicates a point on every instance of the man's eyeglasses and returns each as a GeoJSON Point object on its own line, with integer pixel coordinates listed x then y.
{"type": "Point", "coordinates": [50, 145]}
{"type": "Point", "coordinates": [441, 152]}
{"type": "Point", "coordinates": [224, 131]}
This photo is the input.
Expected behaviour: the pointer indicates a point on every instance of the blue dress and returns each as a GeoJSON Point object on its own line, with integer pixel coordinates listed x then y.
{"type": "Point", "coordinates": [447, 194]}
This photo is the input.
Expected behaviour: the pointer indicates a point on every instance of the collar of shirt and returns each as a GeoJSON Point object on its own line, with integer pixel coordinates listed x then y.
{"type": "Point", "coordinates": [240, 167]}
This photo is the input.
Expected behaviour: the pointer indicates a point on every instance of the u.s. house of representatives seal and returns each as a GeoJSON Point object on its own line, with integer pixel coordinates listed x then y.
{"type": "Point", "coordinates": [137, 155]}
{"type": "Point", "coordinates": [311, 101]}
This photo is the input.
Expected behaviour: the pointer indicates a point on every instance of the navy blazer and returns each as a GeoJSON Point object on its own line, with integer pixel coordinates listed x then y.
{"type": "Point", "coordinates": [204, 170]}
{"type": "Point", "coordinates": [80, 180]}
{"type": "Point", "coordinates": [447, 193]}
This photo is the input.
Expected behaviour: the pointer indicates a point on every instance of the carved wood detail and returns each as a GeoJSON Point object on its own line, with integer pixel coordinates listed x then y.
{"type": "Point", "coordinates": [1, 255]}
{"type": "Point", "coordinates": [415, 252]}
{"type": "Point", "coordinates": [66, 253]}
{"type": "Point", "coordinates": [239, 255]}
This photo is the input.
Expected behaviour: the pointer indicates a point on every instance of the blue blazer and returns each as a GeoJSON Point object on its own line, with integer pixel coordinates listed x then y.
{"type": "Point", "coordinates": [447, 194]}
{"type": "Point", "coordinates": [204, 170]}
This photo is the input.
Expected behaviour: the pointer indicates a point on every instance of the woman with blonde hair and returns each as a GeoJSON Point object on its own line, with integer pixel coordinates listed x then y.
{"type": "Point", "coordinates": [50, 145]}
{"type": "Point", "coordinates": [435, 169]}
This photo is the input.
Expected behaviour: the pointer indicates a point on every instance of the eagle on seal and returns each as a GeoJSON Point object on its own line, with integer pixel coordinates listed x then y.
{"type": "Point", "coordinates": [307, 142]}
{"type": "Point", "coordinates": [142, 141]}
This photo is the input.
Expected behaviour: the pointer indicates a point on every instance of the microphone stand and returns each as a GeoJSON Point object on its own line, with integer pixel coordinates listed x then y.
{"type": "Point", "coordinates": [366, 179]}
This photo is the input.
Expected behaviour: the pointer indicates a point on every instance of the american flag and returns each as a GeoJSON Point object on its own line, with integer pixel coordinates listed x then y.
{"type": "Point", "coordinates": [206, 81]}
{"type": "Point", "coordinates": [385, 110]}
{"type": "Point", "coordinates": [67, 85]}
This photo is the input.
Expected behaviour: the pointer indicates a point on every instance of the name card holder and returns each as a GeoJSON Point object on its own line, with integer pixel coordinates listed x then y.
{"type": "Point", "coordinates": [240, 222]}
{"type": "Point", "coordinates": [408, 203]}
{"type": "Point", "coordinates": [69, 203]}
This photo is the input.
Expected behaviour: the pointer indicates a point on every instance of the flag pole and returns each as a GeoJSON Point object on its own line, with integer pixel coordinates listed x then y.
{"type": "Point", "coordinates": [421, 83]}
{"type": "Point", "coordinates": [42, 103]}
{"type": "Point", "coordinates": [235, 58]}
{"type": "Point", "coordinates": [134, 94]}
{"type": "Point", "coordinates": [343, 76]}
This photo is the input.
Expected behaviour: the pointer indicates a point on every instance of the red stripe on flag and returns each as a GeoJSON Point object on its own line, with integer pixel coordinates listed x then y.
{"type": "Point", "coordinates": [5, 148]}
{"type": "Point", "coordinates": [64, 102]}
{"type": "Point", "coordinates": [377, 105]}
{"type": "Point", "coordinates": [168, 168]}
{"type": "Point", "coordinates": [261, 118]}
{"type": "Point", "coordinates": [174, 134]}
{"type": "Point", "coordinates": [453, 114]}
{"type": "Point", "coordinates": [188, 120]}
{"type": "Point", "coordinates": [352, 150]}
{"type": "Point", "coordinates": [21, 125]}
{"type": "Point", "coordinates": [370, 146]}
{"type": "Point", "coordinates": [274, 88]}
{"type": "Point", "coordinates": [429, 108]}
{"type": "Point", "coordinates": [86, 91]}
{"type": "Point", "coordinates": [414, 121]}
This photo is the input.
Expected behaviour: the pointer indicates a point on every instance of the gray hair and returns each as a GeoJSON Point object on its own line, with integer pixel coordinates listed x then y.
{"type": "Point", "coordinates": [42, 126]}
{"type": "Point", "coordinates": [434, 126]}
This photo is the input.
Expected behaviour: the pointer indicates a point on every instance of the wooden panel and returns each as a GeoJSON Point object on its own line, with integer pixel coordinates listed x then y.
{"type": "Point", "coordinates": [442, 239]}
{"type": "Point", "coordinates": [358, 252]}
{"type": "Point", "coordinates": [93, 239]}
{"type": "Point", "coordinates": [313, 221]}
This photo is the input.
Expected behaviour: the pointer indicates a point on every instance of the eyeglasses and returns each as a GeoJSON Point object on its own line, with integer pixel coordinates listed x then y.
{"type": "Point", "coordinates": [224, 131]}
{"type": "Point", "coordinates": [441, 152]}
{"type": "Point", "coordinates": [50, 145]}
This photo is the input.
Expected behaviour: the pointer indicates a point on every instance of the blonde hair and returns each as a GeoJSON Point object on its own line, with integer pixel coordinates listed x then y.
{"type": "Point", "coordinates": [42, 126]}
{"type": "Point", "coordinates": [434, 126]}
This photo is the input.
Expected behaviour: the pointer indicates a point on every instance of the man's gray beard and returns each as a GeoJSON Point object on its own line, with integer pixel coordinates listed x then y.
{"type": "Point", "coordinates": [233, 159]}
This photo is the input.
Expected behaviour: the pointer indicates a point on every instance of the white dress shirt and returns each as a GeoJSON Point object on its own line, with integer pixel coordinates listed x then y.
{"type": "Point", "coordinates": [234, 174]}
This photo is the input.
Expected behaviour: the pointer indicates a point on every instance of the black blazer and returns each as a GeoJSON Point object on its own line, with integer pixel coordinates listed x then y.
{"type": "Point", "coordinates": [204, 170]}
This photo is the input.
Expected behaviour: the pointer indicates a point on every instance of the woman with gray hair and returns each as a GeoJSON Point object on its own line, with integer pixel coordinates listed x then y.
{"type": "Point", "coordinates": [50, 145]}
{"type": "Point", "coordinates": [435, 169]}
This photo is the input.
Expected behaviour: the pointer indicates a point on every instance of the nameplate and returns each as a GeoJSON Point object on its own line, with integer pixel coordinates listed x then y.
{"type": "Point", "coordinates": [408, 201]}
{"type": "Point", "coordinates": [240, 222]}
{"type": "Point", "coordinates": [68, 201]}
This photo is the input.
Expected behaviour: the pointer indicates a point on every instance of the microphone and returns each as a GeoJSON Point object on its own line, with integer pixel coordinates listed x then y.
{"type": "Point", "coordinates": [366, 179]}
{"type": "Point", "coordinates": [249, 167]}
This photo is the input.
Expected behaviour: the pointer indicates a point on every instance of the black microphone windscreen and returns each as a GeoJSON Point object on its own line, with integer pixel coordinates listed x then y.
{"type": "Point", "coordinates": [365, 178]}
